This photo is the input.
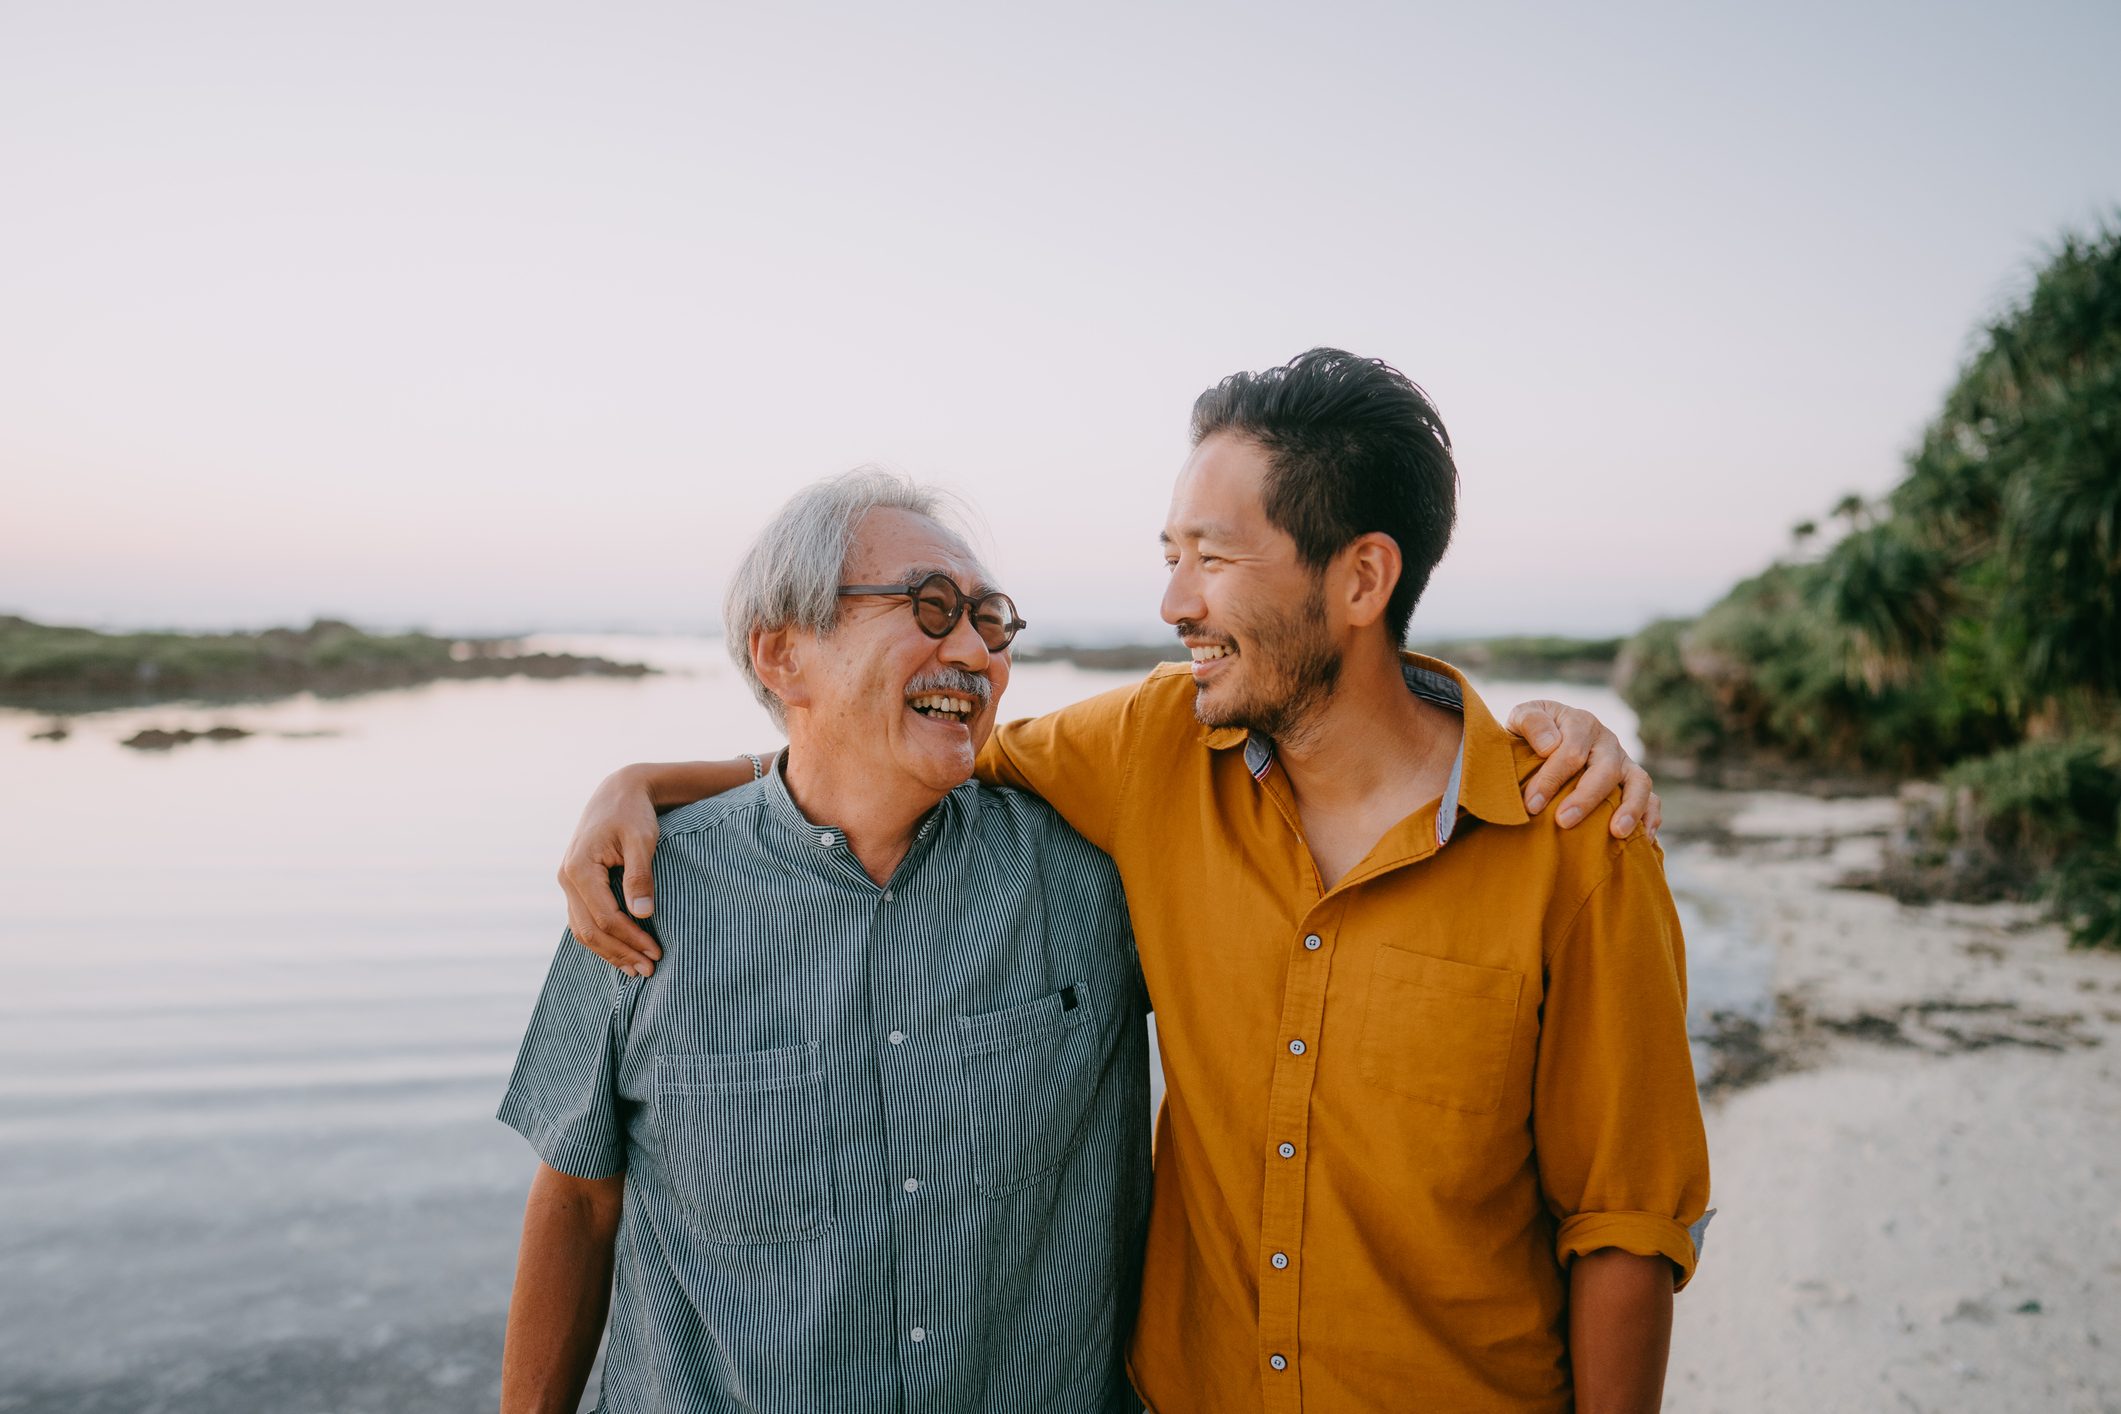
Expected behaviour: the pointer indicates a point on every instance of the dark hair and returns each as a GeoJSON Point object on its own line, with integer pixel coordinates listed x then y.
{"type": "Point", "coordinates": [1353, 446]}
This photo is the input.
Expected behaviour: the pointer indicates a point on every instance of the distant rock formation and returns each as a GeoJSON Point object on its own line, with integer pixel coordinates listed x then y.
{"type": "Point", "coordinates": [157, 739]}
{"type": "Point", "coordinates": [80, 669]}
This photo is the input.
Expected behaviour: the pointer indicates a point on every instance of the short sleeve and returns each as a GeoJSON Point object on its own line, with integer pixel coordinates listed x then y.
{"type": "Point", "coordinates": [563, 1096]}
{"type": "Point", "coordinates": [1075, 759]}
{"type": "Point", "coordinates": [1616, 1117]}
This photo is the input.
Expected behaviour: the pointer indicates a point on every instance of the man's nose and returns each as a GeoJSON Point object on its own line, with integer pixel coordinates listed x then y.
{"type": "Point", "coordinates": [962, 647]}
{"type": "Point", "coordinates": [1182, 597]}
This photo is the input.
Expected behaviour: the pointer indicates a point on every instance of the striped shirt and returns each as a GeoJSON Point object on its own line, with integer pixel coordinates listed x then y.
{"type": "Point", "coordinates": [885, 1148]}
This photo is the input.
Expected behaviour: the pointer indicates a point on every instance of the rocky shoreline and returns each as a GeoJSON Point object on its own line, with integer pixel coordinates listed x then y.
{"type": "Point", "coordinates": [1915, 1148]}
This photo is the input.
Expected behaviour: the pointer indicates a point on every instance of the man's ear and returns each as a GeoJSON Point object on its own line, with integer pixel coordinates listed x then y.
{"type": "Point", "coordinates": [777, 655]}
{"type": "Point", "coordinates": [1365, 573]}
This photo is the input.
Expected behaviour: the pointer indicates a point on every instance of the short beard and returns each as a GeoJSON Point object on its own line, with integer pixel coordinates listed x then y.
{"type": "Point", "coordinates": [1296, 654]}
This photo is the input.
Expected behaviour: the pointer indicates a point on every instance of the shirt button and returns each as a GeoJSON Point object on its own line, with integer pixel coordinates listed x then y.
{"type": "Point", "coordinates": [897, 1038]}
{"type": "Point", "coordinates": [919, 1334]}
{"type": "Point", "coordinates": [1281, 1260]}
{"type": "Point", "coordinates": [911, 1185]}
{"type": "Point", "coordinates": [1312, 943]}
{"type": "Point", "coordinates": [1296, 1048]}
{"type": "Point", "coordinates": [1287, 1151]}
{"type": "Point", "coordinates": [1278, 1362]}
{"type": "Point", "coordinates": [887, 896]}
{"type": "Point", "coordinates": [824, 837]}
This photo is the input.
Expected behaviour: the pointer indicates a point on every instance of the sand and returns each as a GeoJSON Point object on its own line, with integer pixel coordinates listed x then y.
{"type": "Point", "coordinates": [1919, 1190]}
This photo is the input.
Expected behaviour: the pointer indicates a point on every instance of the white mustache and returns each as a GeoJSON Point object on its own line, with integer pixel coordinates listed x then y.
{"type": "Point", "coordinates": [952, 680]}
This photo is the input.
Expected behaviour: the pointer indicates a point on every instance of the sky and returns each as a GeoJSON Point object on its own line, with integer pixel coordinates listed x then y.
{"type": "Point", "coordinates": [498, 316]}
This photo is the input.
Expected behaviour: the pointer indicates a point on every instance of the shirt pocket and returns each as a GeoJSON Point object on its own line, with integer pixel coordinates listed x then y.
{"type": "Point", "coordinates": [1030, 1074]}
{"type": "Point", "coordinates": [747, 1143]}
{"type": "Point", "coordinates": [1440, 1031]}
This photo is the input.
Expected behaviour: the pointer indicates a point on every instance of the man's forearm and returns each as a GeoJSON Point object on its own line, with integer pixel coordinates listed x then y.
{"type": "Point", "coordinates": [562, 1292]}
{"type": "Point", "coordinates": [1620, 1331]}
{"type": "Point", "coordinates": [670, 784]}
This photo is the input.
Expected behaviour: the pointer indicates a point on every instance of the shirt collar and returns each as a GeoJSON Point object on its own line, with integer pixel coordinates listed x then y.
{"type": "Point", "coordinates": [828, 842]}
{"type": "Point", "coordinates": [1484, 775]}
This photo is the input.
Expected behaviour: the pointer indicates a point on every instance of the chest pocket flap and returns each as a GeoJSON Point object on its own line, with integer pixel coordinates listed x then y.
{"type": "Point", "coordinates": [747, 1142]}
{"type": "Point", "coordinates": [1031, 1072]}
{"type": "Point", "coordinates": [1440, 1031]}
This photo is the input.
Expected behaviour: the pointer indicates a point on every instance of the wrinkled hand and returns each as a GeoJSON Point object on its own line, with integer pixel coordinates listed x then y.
{"type": "Point", "coordinates": [1575, 741]}
{"type": "Point", "coordinates": [617, 830]}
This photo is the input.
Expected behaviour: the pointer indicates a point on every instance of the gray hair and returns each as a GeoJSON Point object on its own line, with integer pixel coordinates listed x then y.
{"type": "Point", "coordinates": [790, 576]}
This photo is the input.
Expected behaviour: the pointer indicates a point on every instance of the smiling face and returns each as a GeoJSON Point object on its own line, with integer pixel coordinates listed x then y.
{"type": "Point", "coordinates": [1252, 612]}
{"type": "Point", "coordinates": [879, 697]}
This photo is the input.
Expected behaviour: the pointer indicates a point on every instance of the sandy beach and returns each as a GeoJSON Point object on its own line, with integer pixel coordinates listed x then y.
{"type": "Point", "coordinates": [1917, 1159]}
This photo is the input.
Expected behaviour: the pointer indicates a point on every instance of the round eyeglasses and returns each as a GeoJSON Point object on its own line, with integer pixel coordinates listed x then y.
{"type": "Point", "coordinates": [938, 604]}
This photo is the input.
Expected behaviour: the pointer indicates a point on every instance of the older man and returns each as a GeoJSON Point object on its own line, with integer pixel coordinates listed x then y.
{"type": "Point", "coordinates": [875, 1136]}
{"type": "Point", "coordinates": [1430, 1138]}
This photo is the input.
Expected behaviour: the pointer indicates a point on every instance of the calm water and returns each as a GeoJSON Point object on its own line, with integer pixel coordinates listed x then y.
{"type": "Point", "coordinates": [257, 1003]}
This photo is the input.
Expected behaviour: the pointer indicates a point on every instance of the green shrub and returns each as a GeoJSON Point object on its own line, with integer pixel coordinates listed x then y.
{"type": "Point", "coordinates": [2087, 897]}
{"type": "Point", "coordinates": [2056, 806]}
{"type": "Point", "coordinates": [1675, 714]}
{"type": "Point", "coordinates": [1969, 620]}
{"type": "Point", "coordinates": [2061, 792]}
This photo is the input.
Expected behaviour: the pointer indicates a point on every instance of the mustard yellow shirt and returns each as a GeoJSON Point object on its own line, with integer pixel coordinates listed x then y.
{"type": "Point", "coordinates": [1396, 1109]}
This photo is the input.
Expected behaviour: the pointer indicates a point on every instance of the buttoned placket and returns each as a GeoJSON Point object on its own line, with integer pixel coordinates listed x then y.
{"type": "Point", "coordinates": [907, 1060]}
{"type": "Point", "coordinates": [1289, 1107]}
{"type": "Point", "coordinates": [1288, 1130]}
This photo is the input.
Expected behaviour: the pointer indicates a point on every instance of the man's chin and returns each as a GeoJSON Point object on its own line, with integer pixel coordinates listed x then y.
{"type": "Point", "coordinates": [944, 772]}
{"type": "Point", "coordinates": [1212, 709]}
{"type": "Point", "coordinates": [1217, 708]}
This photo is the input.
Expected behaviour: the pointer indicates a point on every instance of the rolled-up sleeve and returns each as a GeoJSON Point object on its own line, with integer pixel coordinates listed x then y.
{"type": "Point", "coordinates": [563, 1095]}
{"type": "Point", "coordinates": [1623, 1158]}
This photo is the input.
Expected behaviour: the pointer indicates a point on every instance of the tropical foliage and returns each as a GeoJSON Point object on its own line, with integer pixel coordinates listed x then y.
{"type": "Point", "coordinates": [1968, 621]}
